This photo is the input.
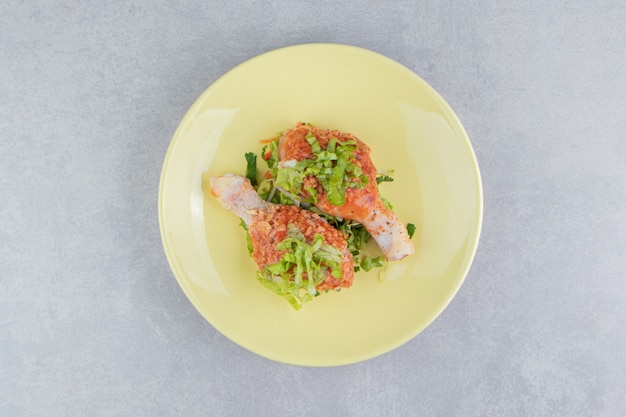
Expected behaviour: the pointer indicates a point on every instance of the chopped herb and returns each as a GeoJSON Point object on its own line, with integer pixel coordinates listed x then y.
{"type": "Point", "coordinates": [410, 228]}
{"type": "Point", "coordinates": [251, 167]}
{"type": "Point", "coordinates": [383, 178]}
{"type": "Point", "coordinates": [270, 155]}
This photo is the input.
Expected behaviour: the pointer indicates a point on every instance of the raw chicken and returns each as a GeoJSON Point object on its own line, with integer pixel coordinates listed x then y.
{"type": "Point", "coordinates": [363, 205]}
{"type": "Point", "coordinates": [269, 224]}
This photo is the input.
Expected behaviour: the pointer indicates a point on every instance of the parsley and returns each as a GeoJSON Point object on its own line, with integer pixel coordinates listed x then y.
{"type": "Point", "coordinates": [410, 228]}
{"type": "Point", "coordinates": [335, 168]}
{"type": "Point", "coordinates": [383, 178]}
{"type": "Point", "coordinates": [251, 167]}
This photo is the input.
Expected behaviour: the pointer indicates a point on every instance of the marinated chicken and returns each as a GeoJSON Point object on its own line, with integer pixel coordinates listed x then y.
{"type": "Point", "coordinates": [280, 234]}
{"type": "Point", "coordinates": [358, 198]}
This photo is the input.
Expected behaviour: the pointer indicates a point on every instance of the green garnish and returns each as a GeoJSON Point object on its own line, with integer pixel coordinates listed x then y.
{"type": "Point", "coordinates": [387, 203]}
{"type": "Point", "coordinates": [251, 167]}
{"type": "Point", "coordinates": [368, 262]}
{"type": "Point", "coordinates": [269, 153]}
{"type": "Point", "coordinates": [335, 168]}
{"type": "Point", "coordinates": [383, 178]}
{"type": "Point", "coordinates": [410, 228]}
{"type": "Point", "coordinates": [357, 237]}
{"type": "Point", "coordinates": [302, 267]}
{"type": "Point", "coordinates": [248, 241]}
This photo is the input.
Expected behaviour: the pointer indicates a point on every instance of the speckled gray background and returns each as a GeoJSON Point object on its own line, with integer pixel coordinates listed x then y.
{"type": "Point", "coordinates": [92, 321]}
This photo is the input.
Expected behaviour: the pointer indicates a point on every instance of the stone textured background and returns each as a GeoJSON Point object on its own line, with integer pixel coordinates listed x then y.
{"type": "Point", "coordinates": [92, 321]}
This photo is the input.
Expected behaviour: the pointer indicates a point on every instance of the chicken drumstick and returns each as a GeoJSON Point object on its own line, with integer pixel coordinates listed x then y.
{"type": "Point", "coordinates": [362, 201]}
{"type": "Point", "coordinates": [271, 225]}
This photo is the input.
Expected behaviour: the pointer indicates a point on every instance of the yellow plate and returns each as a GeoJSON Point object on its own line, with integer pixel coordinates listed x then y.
{"type": "Point", "coordinates": [410, 129]}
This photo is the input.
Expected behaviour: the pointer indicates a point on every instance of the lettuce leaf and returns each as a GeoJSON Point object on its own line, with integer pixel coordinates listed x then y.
{"type": "Point", "coordinates": [302, 267]}
{"type": "Point", "coordinates": [335, 168]}
{"type": "Point", "coordinates": [368, 262]}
